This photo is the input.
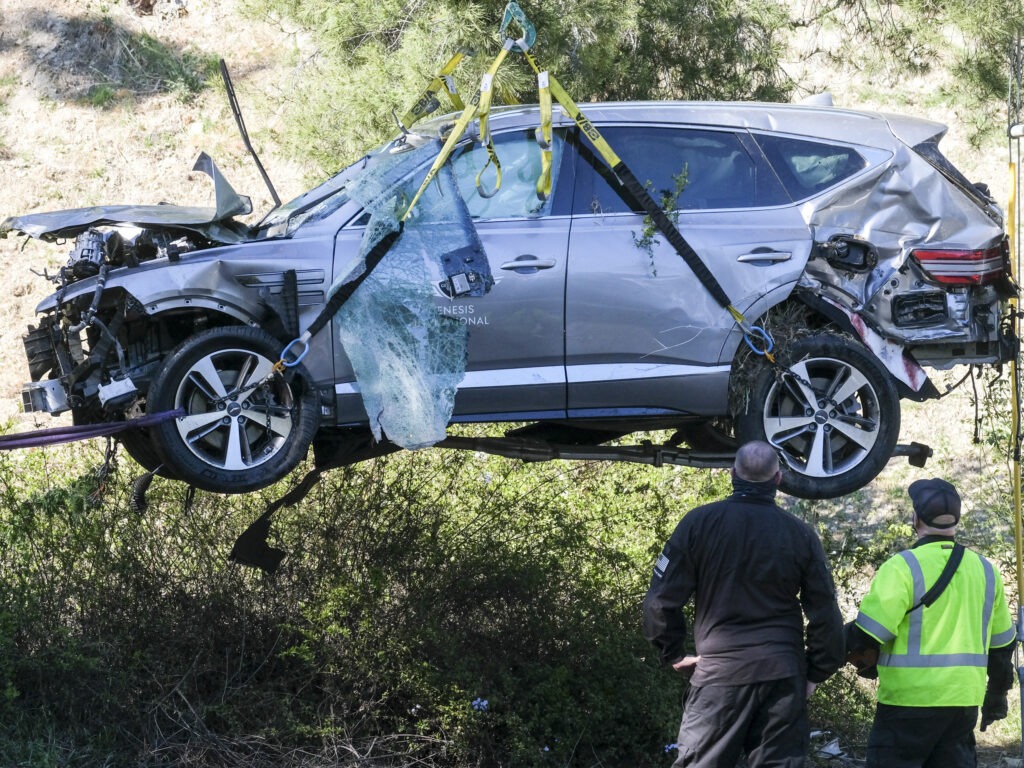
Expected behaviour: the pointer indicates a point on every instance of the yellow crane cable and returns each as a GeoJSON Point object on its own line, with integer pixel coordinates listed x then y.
{"type": "Point", "coordinates": [427, 101]}
{"type": "Point", "coordinates": [1018, 527]}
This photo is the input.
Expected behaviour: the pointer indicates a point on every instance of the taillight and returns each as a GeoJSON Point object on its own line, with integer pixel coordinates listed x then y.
{"type": "Point", "coordinates": [962, 267]}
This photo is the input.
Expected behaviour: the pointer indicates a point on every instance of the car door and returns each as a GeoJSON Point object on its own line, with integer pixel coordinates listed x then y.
{"type": "Point", "coordinates": [516, 368]}
{"type": "Point", "coordinates": [643, 335]}
{"type": "Point", "coordinates": [515, 364]}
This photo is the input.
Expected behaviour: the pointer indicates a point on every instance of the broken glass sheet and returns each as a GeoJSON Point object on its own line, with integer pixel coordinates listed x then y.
{"type": "Point", "coordinates": [407, 357]}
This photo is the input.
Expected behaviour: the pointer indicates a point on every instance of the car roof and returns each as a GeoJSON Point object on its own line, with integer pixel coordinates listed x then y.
{"type": "Point", "coordinates": [830, 123]}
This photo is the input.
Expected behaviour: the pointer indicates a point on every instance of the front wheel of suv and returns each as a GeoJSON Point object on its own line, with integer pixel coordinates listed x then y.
{"type": "Point", "coordinates": [245, 425]}
{"type": "Point", "coordinates": [830, 408]}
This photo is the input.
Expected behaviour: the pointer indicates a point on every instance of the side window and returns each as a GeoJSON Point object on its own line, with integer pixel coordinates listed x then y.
{"type": "Point", "coordinates": [808, 167]}
{"type": "Point", "coordinates": [713, 169]}
{"type": "Point", "coordinates": [520, 158]}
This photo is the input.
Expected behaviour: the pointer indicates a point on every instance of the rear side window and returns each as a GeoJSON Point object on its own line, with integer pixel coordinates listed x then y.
{"type": "Point", "coordinates": [809, 167]}
{"type": "Point", "coordinates": [713, 169]}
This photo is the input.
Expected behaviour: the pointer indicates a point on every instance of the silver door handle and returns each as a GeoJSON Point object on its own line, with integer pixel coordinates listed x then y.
{"type": "Point", "coordinates": [528, 262]}
{"type": "Point", "coordinates": [772, 256]}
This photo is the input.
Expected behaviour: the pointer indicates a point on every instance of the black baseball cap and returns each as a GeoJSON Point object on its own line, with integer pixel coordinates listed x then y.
{"type": "Point", "coordinates": [936, 502]}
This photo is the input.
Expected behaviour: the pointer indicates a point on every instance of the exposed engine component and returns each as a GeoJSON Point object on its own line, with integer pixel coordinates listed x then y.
{"type": "Point", "coordinates": [95, 248]}
{"type": "Point", "coordinates": [88, 255]}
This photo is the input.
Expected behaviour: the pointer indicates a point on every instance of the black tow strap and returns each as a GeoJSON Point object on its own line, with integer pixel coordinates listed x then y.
{"type": "Point", "coordinates": [671, 233]}
{"type": "Point", "coordinates": [944, 578]}
{"type": "Point", "coordinates": [344, 292]}
{"type": "Point", "coordinates": [251, 547]}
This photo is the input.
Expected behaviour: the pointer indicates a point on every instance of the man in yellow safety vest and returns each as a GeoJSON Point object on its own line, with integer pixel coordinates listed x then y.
{"type": "Point", "coordinates": [937, 618]}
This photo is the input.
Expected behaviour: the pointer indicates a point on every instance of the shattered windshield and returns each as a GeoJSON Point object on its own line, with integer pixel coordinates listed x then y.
{"type": "Point", "coordinates": [408, 358]}
{"type": "Point", "coordinates": [329, 196]}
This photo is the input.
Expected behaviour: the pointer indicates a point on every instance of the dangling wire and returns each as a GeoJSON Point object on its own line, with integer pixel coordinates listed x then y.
{"type": "Point", "coordinates": [760, 342]}
{"type": "Point", "coordinates": [103, 472]}
{"type": "Point", "coordinates": [977, 406]}
{"type": "Point", "coordinates": [190, 497]}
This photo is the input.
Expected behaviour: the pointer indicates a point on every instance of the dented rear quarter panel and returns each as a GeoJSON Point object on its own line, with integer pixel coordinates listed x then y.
{"type": "Point", "coordinates": [896, 206]}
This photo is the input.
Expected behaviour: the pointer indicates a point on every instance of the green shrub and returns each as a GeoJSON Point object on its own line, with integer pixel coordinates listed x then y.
{"type": "Point", "coordinates": [435, 608]}
{"type": "Point", "coordinates": [414, 587]}
{"type": "Point", "coordinates": [375, 57]}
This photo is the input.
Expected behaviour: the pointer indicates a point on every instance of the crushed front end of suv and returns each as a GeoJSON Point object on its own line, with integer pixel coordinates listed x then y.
{"type": "Point", "coordinates": [862, 252]}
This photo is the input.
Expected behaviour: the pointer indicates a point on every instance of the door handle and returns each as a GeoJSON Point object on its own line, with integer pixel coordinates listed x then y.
{"type": "Point", "coordinates": [766, 255]}
{"type": "Point", "coordinates": [527, 264]}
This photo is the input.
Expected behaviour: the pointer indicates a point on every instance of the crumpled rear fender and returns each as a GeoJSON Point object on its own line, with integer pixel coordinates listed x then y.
{"type": "Point", "coordinates": [899, 206]}
{"type": "Point", "coordinates": [891, 354]}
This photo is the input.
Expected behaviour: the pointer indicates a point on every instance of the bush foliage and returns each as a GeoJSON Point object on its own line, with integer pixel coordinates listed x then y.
{"type": "Point", "coordinates": [373, 57]}
{"type": "Point", "coordinates": [437, 608]}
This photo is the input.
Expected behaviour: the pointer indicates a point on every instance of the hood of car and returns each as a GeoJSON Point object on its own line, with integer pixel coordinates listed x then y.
{"type": "Point", "coordinates": [215, 224]}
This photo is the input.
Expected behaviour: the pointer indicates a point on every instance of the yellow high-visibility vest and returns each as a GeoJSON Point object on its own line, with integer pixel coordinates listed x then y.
{"type": "Point", "coordinates": [935, 656]}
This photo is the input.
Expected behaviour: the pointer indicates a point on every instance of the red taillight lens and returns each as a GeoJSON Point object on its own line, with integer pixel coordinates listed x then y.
{"type": "Point", "coordinates": [981, 267]}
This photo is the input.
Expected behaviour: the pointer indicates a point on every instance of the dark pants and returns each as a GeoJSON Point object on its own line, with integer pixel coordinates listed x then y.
{"type": "Point", "coordinates": [922, 737]}
{"type": "Point", "coordinates": [768, 721]}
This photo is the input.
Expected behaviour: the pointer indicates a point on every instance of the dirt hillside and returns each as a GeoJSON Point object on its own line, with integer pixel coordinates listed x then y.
{"type": "Point", "coordinates": [58, 59]}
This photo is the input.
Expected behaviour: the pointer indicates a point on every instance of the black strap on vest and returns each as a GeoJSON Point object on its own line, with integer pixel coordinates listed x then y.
{"type": "Point", "coordinates": [944, 578]}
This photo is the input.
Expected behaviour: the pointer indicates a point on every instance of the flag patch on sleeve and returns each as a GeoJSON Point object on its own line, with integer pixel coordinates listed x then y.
{"type": "Point", "coordinates": [660, 566]}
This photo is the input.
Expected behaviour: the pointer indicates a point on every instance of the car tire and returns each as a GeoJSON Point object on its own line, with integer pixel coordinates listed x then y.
{"type": "Point", "coordinates": [138, 442]}
{"type": "Point", "coordinates": [831, 410]}
{"type": "Point", "coordinates": [231, 441]}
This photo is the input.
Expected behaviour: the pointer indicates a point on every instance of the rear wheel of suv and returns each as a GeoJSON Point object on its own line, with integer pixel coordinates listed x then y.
{"type": "Point", "coordinates": [832, 411]}
{"type": "Point", "coordinates": [245, 425]}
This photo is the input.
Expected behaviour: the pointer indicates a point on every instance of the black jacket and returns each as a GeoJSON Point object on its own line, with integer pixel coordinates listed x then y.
{"type": "Point", "coordinates": [752, 569]}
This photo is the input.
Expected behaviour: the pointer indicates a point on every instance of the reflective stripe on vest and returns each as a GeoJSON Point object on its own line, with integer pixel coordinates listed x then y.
{"type": "Point", "coordinates": [914, 658]}
{"type": "Point", "coordinates": [1004, 638]}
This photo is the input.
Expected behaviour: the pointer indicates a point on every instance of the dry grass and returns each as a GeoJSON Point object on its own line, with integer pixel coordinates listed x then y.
{"type": "Point", "coordinates": [59, 150]}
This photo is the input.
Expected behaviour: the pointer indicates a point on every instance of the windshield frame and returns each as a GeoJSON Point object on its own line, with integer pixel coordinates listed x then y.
{"type": "Point", "coordinates": [280, 218]}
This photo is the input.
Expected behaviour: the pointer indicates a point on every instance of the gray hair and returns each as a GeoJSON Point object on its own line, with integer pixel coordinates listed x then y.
{"type": "Point", "coordinates": [756, 461]}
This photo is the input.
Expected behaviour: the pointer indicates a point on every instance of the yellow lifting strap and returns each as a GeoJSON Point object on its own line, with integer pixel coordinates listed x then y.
{"type": "Point", "coordinates": [484, 112]}
{"type": "Point", "coordinates": [544, 137]}
{"type": "Point", "coordinates": [576, 114]}
{"type": "Point", "coordinates": [513, 15]}
{"type": "Point", "coordinates": [427, 102]}
{"type": "Point", "coordinates": [467, 116]}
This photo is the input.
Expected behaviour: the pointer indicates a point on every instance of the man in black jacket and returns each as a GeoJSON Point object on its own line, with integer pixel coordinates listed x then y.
{"type": "Point", "coordinates": [752, 569]}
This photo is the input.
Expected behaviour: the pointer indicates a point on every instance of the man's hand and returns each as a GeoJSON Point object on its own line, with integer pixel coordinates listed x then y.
{"type": "Point", "coordinates": [861, 651]}
{"type": "Point", "coordinates": [686, 666]}
{"type": "Point", "coordinates": [811, 688]}
{"type": "Point", "coordinates": [994, 708]}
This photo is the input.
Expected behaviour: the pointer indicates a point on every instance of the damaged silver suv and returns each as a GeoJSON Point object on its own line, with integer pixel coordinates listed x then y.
{"type": "Point", "coordinates": [848, 237]}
